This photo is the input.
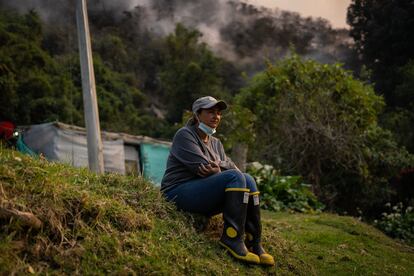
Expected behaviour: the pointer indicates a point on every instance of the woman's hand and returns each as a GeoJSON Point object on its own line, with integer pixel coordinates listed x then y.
{"type": "Point", "coordinates": [209, 169]}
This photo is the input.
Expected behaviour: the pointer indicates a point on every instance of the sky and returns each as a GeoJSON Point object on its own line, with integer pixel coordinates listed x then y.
{"type": "Point", "coordinates": [332, 10]}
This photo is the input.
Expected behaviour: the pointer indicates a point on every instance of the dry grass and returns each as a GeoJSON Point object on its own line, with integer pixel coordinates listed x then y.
{"type": "Point", "coordinates": [113, 224]}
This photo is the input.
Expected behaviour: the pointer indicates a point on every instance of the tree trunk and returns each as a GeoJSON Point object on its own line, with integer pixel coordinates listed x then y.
{"type": "Point", "coordinates": [239, 155]}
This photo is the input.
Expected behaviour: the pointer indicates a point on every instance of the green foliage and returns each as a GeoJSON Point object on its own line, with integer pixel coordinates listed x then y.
{"type": "Point", "coordinates": [404, 90]}
{"type": "Point", "coordinates": [283, 192]}
{"type": "Point", "coordinates": [112, 49]}
{"type": "Point", "coordinates": [368, 188]}
{"type": "Point", "coordinates": [119, 103]}
{"type": "Point", "coordinates": [137, 74]}
{"type": "Point", "coordinates": [398, 222]}
{"type": "Point", "coordinates": [318, 121]}
{"type": "Point", "coordinates": [380, 30]}
{"type": "Point", "coordinates": [34, 88]}
{"type": "Point", "coordinates": [190, 71]}
{"type": "Point", "coordinates": [309, 114]}
{"type": "Point", "coordinates": [237, 126]}
{"type": "Point", "coordinates": [400, 120]}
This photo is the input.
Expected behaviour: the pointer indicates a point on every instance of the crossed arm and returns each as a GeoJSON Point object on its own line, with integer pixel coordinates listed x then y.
{"type": "Point", "coordinates": [189, 153]}
{"type": "Point", "coordinates": [209, 169]}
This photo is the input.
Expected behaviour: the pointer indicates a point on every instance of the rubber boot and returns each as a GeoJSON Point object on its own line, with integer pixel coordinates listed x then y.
{"type": "Point", "coordinates": [254, 231]}
{"type": "Point", "coordinates": [234, 216]}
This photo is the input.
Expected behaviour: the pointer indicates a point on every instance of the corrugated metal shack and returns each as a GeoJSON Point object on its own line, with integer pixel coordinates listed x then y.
{"type": "Point", "coordinates": [123, 153]}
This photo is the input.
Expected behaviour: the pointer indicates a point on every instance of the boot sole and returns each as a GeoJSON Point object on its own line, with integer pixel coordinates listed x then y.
{"type": "Point", "coordinates": [243, 258]}
{"type": "Point", "coordinates": [266, 260]}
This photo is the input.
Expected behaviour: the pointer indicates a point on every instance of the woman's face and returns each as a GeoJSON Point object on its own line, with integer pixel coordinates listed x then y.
{"type": "Point", "coordinates": [210, 117]}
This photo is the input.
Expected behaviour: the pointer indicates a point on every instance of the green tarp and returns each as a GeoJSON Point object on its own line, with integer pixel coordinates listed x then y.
{"type": "Point", "coordinates": [154, 161]}
{"type": "Point", "coordinates": [22, 147]}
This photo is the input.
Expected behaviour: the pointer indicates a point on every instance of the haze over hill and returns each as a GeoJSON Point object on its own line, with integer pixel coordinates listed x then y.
{"type": "Point", "coordinates": [237, 31]}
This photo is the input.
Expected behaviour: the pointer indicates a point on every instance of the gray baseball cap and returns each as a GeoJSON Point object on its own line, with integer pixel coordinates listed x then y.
{"type": "Point", "coordinates": [208, 102]}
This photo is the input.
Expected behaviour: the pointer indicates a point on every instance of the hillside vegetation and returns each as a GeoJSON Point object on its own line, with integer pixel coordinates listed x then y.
{"type": "Point", "coordinates": [113, 224]}
{"type": "Point", "coordinates": [291, 107]}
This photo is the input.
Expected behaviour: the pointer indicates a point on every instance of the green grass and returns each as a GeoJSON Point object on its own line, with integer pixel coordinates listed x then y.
{"type": "Point", "coordinates": [112, 224]}
{"type": "Point", "coordinates": [339, 245]}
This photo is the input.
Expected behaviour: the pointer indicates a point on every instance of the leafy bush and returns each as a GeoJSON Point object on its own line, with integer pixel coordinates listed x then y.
{"type": "Point", "coordinates": [369, 185]}
{"type": "Point", "coordinates": [318, 121]}
{"type": "Point", "coordinates": [283, 192]}
{"type": "Point", "coordinates": [309, 115]}
{"type": "Point", "coordinates": [398, 222]}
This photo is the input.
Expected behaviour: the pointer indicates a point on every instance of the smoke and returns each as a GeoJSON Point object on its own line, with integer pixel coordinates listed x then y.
{"type": "Point", "coordinates": [236, 31]}
{"type": "Point", "coordinates": [246, 34]}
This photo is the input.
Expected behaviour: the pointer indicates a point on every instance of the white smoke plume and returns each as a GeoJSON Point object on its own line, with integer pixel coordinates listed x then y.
{"type": "Point", "coordinates": [235, 30]}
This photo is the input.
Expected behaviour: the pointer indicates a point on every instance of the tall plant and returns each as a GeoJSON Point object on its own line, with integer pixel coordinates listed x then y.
{"type": "Point", "coordinates": [318, 121]}
{"type": "Point", "coordinates": [310, 113]}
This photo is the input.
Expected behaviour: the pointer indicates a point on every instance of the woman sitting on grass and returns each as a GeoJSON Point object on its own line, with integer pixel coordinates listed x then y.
{"type": "Point", "coordinates": [201, 179]}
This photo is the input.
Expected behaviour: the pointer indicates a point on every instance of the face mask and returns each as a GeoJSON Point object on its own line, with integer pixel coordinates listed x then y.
{"type": "Point", "coordinates": [206, 129]}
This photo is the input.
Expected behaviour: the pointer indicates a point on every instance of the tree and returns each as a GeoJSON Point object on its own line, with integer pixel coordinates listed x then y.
{"type": "Point", "coordinates": [384, 37]}
{"type": "Point", "coordinates": [36, 87]}
{"type": "Point", "coordinates": [33, 87]}
{"type": "Point", "coordinates": [189, 72]}
{"type": "Point", "coordinates": [401, 118]}
{"type": "Point", "coordinates": [317, 120]}
{"type": "Point", "coordinates": [309, 113]}
{"type": "Point", "coordinates": [236, 131]}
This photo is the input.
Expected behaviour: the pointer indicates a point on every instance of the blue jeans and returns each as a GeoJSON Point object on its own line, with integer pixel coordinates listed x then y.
{"type": "Point", "coordinates": [206, 195]}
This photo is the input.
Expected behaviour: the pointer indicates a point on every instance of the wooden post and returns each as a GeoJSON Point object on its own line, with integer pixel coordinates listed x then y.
{"type": "Point", "coordinates": [94, 143]}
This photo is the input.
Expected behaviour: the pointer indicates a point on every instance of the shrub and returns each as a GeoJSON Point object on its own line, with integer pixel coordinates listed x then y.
{"type": "Point", "coordinates": [368, 186]}
{"type": "Point", "coordinates": [318, 121]}
{"type": "Point", "coordinates": [309, 115]}
{"type": "Point", "coordinates": [283, 192]}
{"type": "Point", "coordinates": [398, 222]}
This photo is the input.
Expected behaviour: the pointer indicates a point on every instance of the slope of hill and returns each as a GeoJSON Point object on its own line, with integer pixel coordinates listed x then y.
{"type": "Point", "coordinates": [59, 220]}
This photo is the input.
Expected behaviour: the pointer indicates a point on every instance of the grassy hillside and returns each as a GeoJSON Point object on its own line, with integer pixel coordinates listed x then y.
{"type": "Point", "coordinates": [111, 224]}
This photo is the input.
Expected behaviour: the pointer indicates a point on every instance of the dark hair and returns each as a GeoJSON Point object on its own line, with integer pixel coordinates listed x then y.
{"type": "Point", "coordinates": [193, 120]}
